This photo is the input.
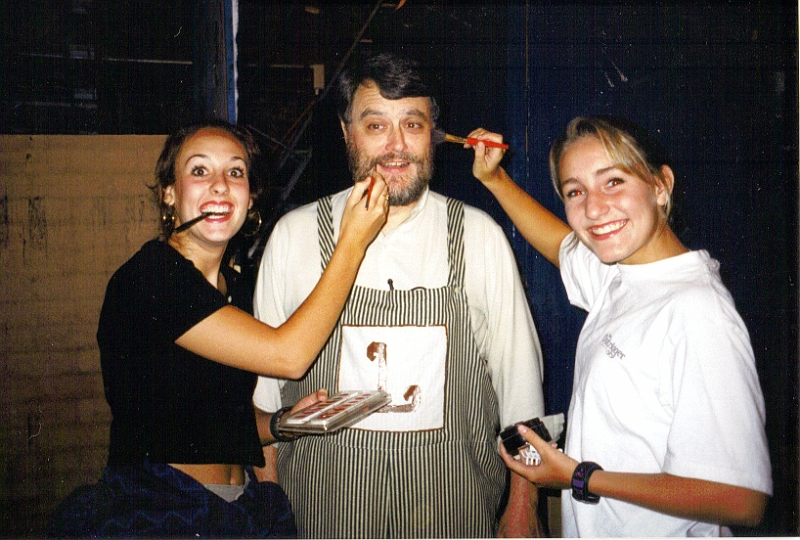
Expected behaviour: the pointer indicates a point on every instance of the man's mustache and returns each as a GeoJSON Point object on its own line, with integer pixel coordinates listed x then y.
{"type": "Point", "coordinates": [395, 157]}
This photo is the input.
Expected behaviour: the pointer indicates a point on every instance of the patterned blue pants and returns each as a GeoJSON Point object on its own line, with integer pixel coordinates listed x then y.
{"type": "Point", "coordinates": [156, 500]}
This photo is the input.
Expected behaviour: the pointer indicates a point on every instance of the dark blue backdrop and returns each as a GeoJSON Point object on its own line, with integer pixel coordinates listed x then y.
{"type": "Point", "coordinates": [718, 85]}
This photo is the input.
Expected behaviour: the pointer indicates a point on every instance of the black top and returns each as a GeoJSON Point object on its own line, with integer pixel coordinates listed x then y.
{"type": "Point", "coordinates": [170, 405]}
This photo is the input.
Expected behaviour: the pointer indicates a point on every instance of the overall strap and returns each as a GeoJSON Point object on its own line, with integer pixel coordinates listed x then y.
{"type": "Point", "coordinates": [455, 237]}
{"type": "Point", "coordinates": [325, 228]}
{"type": "Point", "coordinates": [455, 242]}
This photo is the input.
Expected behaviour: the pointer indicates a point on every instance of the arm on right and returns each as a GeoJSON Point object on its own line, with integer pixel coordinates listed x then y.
{"type": "Point", "coordinates": [232, 337]}
{"type": "Point", "coordinates": [541, 228]}
{"type": "Point", "coordinates": [688, 498]}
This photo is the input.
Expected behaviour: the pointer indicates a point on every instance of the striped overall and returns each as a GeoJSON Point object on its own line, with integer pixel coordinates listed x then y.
{"type": "Point", "coordinates": [442, 482]}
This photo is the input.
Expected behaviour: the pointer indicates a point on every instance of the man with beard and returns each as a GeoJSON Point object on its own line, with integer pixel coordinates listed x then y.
{"type": "Point", "coordinates": [439, 296]}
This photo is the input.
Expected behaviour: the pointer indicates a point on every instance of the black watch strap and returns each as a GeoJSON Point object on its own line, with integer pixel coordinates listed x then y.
{"type": "Point", "coordinates": [274, 426]}
{"type": "Point", "coordinates": [580, 482]}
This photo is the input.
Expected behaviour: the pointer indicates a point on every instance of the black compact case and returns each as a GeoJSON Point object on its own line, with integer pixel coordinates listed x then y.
{"type": "Point", "coordinates": [513, 441]}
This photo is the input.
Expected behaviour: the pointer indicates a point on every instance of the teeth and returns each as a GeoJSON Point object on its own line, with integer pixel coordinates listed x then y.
{"type": "Point", "coordinates": [217, 210]}
{"type": "Point", "coordinates": [395, 164]}
{"type": "Point", "coordinates": [608, 228]}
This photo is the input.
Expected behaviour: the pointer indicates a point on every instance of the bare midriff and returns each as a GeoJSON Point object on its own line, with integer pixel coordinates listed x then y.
{"type": "Point", "coordinates": [213, 473]}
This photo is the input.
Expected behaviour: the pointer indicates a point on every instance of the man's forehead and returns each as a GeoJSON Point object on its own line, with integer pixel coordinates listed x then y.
{"type": "Point", "coordinates": [368, 100]}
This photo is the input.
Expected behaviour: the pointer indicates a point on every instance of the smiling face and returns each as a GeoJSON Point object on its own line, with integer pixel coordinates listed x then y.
{"type": "Point", "coordinates": [393, 137]}
{"type": "Point", "coordinates": [614, 213]}
{"type": "Point", "coordinates": [210, 176]}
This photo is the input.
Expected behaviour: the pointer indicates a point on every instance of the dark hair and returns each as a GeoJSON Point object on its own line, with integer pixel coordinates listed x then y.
{"type": "Point", "coordinates": [165, 166]}
{"type": "Point", "coordinates": [395, 77]}
{"type": "Point", "coordinates": [629, 146]}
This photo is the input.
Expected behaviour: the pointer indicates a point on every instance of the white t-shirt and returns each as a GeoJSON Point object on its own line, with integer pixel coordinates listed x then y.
{"type": "Point", "coordinates": [415, 255]}
{"type": "Point", "coordinates": [665, 381]}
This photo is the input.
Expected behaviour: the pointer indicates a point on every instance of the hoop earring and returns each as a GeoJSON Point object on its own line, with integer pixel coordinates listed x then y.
{"type": "Point", "coordinates": [252, 224]}
{"type": "Point", "coordinates": [168, 216]}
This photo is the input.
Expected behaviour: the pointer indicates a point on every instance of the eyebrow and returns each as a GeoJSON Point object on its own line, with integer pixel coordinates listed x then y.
{"type": "Point", "coordinates": [205, 156]}
{"type": "Point", "coordinates": [605, 170]}
{"type": "Point", "coordinates": [567, 182]}
{"type": "Point", "coordinates": [408, 112]}
{"type": "Point", "coordinates": [598, 172]}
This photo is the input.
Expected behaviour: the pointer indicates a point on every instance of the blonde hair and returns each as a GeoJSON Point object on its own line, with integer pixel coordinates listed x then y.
{"type": "Point", "coordinates": [629, 147]}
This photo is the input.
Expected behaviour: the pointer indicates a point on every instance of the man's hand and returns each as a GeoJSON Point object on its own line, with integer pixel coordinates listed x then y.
{"type": "Point", "coordinates": [520, 518]}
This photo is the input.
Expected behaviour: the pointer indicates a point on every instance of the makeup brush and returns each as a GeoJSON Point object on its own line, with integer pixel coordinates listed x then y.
{"type": "Point", "coordinates": [369, 191]}
{"type": "Point", "coordinates": [439, 136]}
{"type": "Point", "coordinates": [183, 226]}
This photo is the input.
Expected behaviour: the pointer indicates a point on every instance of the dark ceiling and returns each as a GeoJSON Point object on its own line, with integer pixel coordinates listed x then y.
{"type": "Point", "coordinates": [126, 67]}
{"type": "Point", "coordinates": [93, 66]}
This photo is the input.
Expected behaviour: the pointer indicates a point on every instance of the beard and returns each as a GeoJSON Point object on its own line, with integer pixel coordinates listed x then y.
{"type": "Point", "coordinates": [403, 189]}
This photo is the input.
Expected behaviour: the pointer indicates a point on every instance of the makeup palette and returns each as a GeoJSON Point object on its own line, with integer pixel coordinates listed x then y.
{"type": "Point", "coordinates": [339, 411]}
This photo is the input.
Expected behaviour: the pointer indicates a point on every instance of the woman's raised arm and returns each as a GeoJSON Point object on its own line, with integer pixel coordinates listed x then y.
{"type": "Point", "coordinates": [541, 228]}
{"type": "Point", "coordinates": [232, 337]}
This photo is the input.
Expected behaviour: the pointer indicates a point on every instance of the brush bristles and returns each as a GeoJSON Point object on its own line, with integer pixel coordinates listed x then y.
{"type": "Point", "coordinates": [438, 136]}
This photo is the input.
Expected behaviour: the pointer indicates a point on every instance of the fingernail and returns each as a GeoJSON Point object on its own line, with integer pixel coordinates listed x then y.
{"type": "Point", "coordinates": [522, 428]}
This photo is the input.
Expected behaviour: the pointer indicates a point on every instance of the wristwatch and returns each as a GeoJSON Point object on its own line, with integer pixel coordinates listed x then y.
{"type": "Point", "coordinates": [274, 426]}
{"type": "Point", "coordinates": [580, 482]}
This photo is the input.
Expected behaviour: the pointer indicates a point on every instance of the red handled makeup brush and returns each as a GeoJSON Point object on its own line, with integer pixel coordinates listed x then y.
{"type": "Point", "coordinates": [439, 136]}
{"type": "Point", "coordinates": [369, 191]}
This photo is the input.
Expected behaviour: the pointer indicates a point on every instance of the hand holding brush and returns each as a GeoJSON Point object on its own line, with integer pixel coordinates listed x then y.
{"type": "Point", "coordinates": [438, 136]}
